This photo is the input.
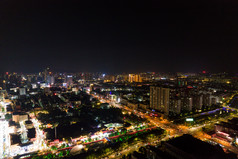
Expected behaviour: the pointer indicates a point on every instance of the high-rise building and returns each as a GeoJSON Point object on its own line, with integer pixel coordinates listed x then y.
{"type": "Point", "coordinates": [214, 100]}
{"type": "Point", "coordinates": [46, 73]}
{"type": "Point", "coordinates": [206, 100]}
{"type": "Point", "coordinates": [197, 101]}
{"type": "Point", "coordinates": [186, 104]}
{"type": "Point", "coordinates": [167, 100]}
{"type": "Point", "coordinates": [50, 80]}
{"type": "Point", "coordinates": [68, 81]}
{"type": "Point", "coordinates": [160, 99]}
{"type": "Point", "coordinates": [134, 78]}
{"type": "Point", "coordinates": [175, 106]}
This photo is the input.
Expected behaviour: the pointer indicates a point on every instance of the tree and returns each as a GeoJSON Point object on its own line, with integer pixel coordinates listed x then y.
{"type": "Point", "coordinates": [60, 154]}
{"type": "Point", "coordinates": [53, 148]}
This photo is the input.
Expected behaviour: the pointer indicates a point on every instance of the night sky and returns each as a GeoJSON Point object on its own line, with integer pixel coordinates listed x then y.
{"type": "Point", "coordinates": [119, 36]}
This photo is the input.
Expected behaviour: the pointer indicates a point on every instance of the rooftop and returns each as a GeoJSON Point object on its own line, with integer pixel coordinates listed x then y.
{"type": "Point", "coordinates": [197, 148]}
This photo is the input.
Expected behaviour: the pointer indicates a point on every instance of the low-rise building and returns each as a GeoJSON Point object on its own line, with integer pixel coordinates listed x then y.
{"type": "Point", "coordinates": [19, 116]}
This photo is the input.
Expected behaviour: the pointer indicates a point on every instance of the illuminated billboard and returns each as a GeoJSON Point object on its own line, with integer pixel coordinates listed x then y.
{"type": "Point", "coordinates": [189, 119]}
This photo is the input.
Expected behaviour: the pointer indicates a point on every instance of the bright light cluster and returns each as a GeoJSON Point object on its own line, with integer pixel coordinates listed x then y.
{"type": "Point", "coordinates": [4, 139]}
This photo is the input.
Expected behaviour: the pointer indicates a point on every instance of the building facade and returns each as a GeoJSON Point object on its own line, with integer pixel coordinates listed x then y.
{"type": "Point", "coordinates": [160, 99]}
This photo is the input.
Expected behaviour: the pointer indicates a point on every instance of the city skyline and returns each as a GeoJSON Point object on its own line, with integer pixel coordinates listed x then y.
{"type": "Point", "coordinates": [66, 115]}
{"type": "Point", "coordinates": [118, 37]}
{"type": "Point", "coordinates": [118, 79]}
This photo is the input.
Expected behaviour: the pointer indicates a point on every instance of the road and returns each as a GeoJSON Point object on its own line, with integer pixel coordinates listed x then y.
{"type": "Point", "coordinates": [176, 130]}
{"type": "Point", "coordinates": [172, 130]}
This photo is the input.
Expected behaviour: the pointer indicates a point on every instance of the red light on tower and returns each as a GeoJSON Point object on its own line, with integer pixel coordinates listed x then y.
{"type": "Point", "coordinates": [6, 73]}
{"type": "Point", "coordinates": [203, 72]}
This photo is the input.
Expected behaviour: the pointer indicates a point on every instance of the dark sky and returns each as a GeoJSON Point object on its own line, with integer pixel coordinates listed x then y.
{"type": "Point", "coordinates": [119, 36]}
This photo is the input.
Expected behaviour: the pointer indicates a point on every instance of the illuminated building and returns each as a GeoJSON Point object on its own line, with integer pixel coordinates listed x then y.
{"type": "Point", "coordinates": [22, 91]}
{"type": "Point", "coordinates": [166, 100]}
{"type": "Point", "coordinates": [24, 138]}
{"type": "Point", "coordinates": [109, 78]}
{"type": "Point", "coordinates": [19, 116]}
{"type": "Point", "coordinates": [134, 78]}
{"type": "Point", "coordinates": [91, 87]}
{"type": "Point", "coordinates": [187, 103]}
{"type": "Point", "coordinates": [81, 81]}
{"type": "Point", "coordinates": [182, 81]}
{"type": "Point", "coordinates": [159, 99]}
{"type": "Point", "coordinates": [175, 106]}
{"type": "Point", "coordinates": [148, 76]}
{"type": "Point", "coordinates": [122, 78]}
{"type": "Point", "coordinates": [203, 99]}
{"type": "Point", "coordinates": [227, 130]}
{"type": "Point", "coordinates": [34, 86]}
{"type": "Point", "coordinates": [69, 80]}
{"type": "Point", "coordinates": [214, 100]}
{"type": "Point", "coordinates": [206, 99]}
{"type": "Point", "coordinates": [4, 139]}
{"type": "Point", "coordinates": [46, 73]}
{"type": "Point", "coordinates": [50, 80]}
{"type": "Point", "coordinates": [197, 101]}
